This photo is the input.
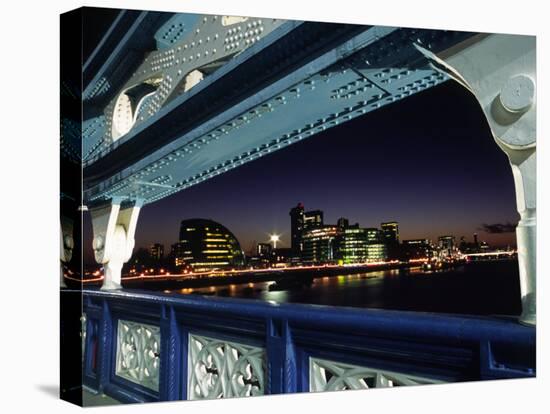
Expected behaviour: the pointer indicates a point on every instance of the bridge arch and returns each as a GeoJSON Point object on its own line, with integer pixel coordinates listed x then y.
{"type": "Point", "coordinates": [500, 71]}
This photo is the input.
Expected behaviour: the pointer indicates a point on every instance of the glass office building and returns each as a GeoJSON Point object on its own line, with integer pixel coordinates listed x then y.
{"type": "Point", "coordinates": [377, 248]}
{"type": "Point", "coordinates": [320, 244]}
{"type": "Point", "coordinates": [352, 245]}
{"type": "Point", "coordinates": [207, 245]}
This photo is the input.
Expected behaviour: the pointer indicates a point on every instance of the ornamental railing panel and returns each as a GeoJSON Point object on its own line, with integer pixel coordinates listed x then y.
{"type": "Point", "coordinates": [194, 347]}
{"type": "Point", "coordinates": [223, 369]}
{"type": "Point", "coordinates": [138, 353]}
{"type": "Point", "coordinates": [327, 375]}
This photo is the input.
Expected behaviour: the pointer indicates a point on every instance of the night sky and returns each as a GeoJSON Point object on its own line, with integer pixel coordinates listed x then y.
{"type": "Point", "coordinates": [428, 161]}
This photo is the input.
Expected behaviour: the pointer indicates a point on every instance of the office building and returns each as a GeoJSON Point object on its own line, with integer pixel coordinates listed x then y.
{"type": "Point", "coordinates": [178, 256]}
{"type": "Point", "coordinates": [296, 228]}
{"type": "Point", "coordinates": [207, 245]}
{"type": "Point", "coordinates": [319, 244]}
{"type": "Point", "coordinates": [446, 245]}
{"type": "Point", "coordinates": [416, 249]}
{"type": "Point", "coordinates": [156, 252]}
{"type": "Point", "coordinates": [313, 219]}
{"type": "Point", "coordinates": [390, 231]}
{"type": "Point", "coordinates": [352, 244]}
{"type": "Point", "coordinates": [377, 250]}
{"type": "Point", "coordinates": [264, 250]}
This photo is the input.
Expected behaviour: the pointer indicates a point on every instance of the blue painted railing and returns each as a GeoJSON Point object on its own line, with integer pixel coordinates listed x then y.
{"type": "Point", "coordinates": [142, 346]}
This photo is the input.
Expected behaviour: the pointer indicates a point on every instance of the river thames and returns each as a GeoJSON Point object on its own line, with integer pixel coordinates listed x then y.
{"type": "Point", "coordinates": [482, 288]}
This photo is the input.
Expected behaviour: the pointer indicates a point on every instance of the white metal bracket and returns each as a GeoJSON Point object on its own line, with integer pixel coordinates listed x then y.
{"type": "Point", "coordinates": [114, 227]}
{"type": "Point", "coordinates": [500, 70]}
{"type": "Point", "coordinates": [66, 245]}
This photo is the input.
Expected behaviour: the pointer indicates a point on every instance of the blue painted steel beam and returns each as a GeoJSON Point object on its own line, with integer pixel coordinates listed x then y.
{"type": "Point", "coordinates": [117, 55]}
{"type": "Point", "coordinates": [243, 76]}
{"type": "Point", "coordinates": [299, 80]}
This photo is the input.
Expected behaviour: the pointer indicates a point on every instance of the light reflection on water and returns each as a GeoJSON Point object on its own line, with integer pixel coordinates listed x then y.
{"type": "Point", "coordinates": [461, 290]}
{"type": "Point", "coordinates": [324, 287]}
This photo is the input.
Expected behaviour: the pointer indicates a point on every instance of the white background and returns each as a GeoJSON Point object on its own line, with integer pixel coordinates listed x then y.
{"type": "Point", "coordinates": [29, 176]}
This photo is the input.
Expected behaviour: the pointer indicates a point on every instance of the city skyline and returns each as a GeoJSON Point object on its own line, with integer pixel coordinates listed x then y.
{"type": "Point", "coordinates": [485, 184]}
{"type": "Point", "coordinates": [445, 176]}
{"type": "Point", "coordinates": [471, 238]}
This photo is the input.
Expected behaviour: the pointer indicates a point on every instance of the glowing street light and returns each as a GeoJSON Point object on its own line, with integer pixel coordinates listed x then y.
{"type": "Point", "coordinates": [274, 238]}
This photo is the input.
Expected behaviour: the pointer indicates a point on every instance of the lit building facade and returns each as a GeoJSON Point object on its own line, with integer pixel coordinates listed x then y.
{"type": "Point", "coordinates": [207, 245]}
{"type": "Point", "coordinates": [319, 244]}
{"type": "Point", "coordinates": [360, 245]}
{"type": "Point", "coordinates": [156, 252]}
{"type": "Point", "coordinates": [447, 245]}
{"type": "Point", "coordinates": [377, 249]}
{"type": "Point", "coordinates": [352, 244]}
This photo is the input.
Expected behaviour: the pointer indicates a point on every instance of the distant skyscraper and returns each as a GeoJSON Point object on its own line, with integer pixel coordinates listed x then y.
{"type": "Point", "coordinates": [296, 228]}
{"type": "Point", "coordinates": [390, 232]}
{"type": "Point", "coordinates": [342, 222]}
{"type": "Point", "coordinates": [156, 252]}
{"type": "Point", "coordinates": [313, 219]}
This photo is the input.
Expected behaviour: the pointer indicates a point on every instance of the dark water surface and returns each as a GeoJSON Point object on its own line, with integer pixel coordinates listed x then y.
{"type": "Point", "coordinates": [486, 288]}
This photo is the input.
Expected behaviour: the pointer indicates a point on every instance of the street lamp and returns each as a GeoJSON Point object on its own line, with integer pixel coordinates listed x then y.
{"type": "Point", "coordinates": [274, 238]}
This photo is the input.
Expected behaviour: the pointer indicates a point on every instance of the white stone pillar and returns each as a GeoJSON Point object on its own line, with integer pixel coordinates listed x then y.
{"type": "Point", "coordinates": [114, 227]}
{"type": "Point", "coordinates": [500, 70]}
